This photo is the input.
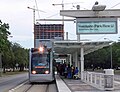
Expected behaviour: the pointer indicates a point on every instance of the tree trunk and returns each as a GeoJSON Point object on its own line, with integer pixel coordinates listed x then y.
{"type": "Point", "coordinates": [4, 70]}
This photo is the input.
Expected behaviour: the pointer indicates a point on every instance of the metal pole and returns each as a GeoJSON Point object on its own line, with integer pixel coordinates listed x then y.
{"type": "Point", "coordinates": [70, 60]}
{"type": "Point", "coordinates": [63, 16]}
{"type": "Point", "coordinates": [67, 36]}
{"type": "Point", "coordinates": [62, 9]}
{"type": "Point", "coordinates": [34, 25]}
{"type": "Point", "coordinates": [110, 52]}
{"type": "Point", "coordinates": [82, 61]}
{"type": "Point", "coordinates": [78, 36]}
{"type": "Point", "coordinates": [111, 55]}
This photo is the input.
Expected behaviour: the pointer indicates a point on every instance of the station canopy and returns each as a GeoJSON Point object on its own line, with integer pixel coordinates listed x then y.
{"type": "Point", "coordinates": [70, 47]}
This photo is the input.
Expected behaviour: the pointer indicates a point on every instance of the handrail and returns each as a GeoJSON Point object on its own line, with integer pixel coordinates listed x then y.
{"type": "Point", "coordinates": [98, 80]}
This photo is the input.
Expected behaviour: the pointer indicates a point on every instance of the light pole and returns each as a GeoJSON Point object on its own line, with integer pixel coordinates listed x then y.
{"type": "Point", "coordinates": [62, 4]}
{"type": "Point", "coordinates": [110, 45]}
{"type": "Point", "coordinates": [111, 54]}
{"type": "Point", "coordinates": [34, 20]}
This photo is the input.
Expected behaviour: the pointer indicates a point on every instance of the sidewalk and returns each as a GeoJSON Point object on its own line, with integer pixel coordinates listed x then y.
{"type": "Point", "coordinates": [79, 86]}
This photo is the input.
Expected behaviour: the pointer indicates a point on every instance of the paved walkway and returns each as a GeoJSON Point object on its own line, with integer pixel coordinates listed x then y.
{"type": "Point", "coordinates": [79, 86]}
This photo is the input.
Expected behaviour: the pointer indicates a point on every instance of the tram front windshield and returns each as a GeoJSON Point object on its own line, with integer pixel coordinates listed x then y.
{"type": "Point", "coordinates": [40, 63]}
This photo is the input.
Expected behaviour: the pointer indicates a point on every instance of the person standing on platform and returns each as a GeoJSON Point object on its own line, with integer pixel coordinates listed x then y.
{"type": "Point", "coordinates": [65, 71]}
{"type": "Point", "coordinates": [73, 70]}
{"type": "Point", "coordinates": [76, 73]}
{"type": "Point", "coordinates": [69, 71]}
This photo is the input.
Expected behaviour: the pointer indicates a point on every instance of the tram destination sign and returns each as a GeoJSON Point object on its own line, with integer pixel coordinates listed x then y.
{"type": "Point", "coordinates": [96, 26]}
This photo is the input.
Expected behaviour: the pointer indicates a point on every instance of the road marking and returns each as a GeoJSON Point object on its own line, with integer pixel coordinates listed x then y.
{"type": "Point", "coordinates": [12, 90]}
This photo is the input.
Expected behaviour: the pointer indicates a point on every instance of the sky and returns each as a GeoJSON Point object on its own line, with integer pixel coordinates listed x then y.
{"type": "Point", "coordinates": [20, 18]}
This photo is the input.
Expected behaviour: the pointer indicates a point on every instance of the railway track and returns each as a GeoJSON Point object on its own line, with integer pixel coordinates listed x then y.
{"type": "Point", "coordinates": [27, 89]}
{"type": "Point", "coordinates": [36, 87]}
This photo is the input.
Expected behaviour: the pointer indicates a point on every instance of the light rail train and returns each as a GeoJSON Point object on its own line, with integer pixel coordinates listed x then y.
{"type": "Point", "coordinates": [41, 65]}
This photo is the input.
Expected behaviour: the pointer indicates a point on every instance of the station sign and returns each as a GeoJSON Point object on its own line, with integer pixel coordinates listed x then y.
{"type": "Point", "coordinates": [96, 26]}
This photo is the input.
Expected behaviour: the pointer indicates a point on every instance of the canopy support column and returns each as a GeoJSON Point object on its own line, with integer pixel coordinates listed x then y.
{"type": "Point", "coordinates": [82, 62]}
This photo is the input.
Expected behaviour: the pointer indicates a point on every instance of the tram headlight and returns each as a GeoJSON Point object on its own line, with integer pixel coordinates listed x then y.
{"type": "Point", "coordinates": [41, 49]}
{"type": "Point", "coordinates": [46, 72]}
{"type": "Point", "coordinates": [33, 72]}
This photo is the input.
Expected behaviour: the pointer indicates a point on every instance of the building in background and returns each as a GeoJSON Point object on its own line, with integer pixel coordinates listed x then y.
{"type": "Point", "coordinates": [49, 31]}
{"type": "Point", "coordinates": [43, 33]}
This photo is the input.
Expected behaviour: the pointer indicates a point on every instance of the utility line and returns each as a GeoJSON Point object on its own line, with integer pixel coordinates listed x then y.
{"type": "Point", "coordinates": [115, 5]}
{"type": "Point", "coordinates": [37, 8]}
{"type": "Point", "coordinates": [52, 15]}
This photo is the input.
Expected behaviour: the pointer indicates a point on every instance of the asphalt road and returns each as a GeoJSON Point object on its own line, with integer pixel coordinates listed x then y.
{"type": "Point", "coordinates": [12, 81]}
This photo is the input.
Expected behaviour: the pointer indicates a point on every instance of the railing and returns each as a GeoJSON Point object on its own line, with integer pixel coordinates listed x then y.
{"type": "Point", "coordinates": [98, 80]}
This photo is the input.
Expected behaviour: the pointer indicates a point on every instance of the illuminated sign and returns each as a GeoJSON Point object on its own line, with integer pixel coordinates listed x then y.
{"type": "Point", "coordinates": [97, 26]}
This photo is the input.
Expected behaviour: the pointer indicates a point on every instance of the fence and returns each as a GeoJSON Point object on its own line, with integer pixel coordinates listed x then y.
{"type": "Point", "coordinates": [102, 81]}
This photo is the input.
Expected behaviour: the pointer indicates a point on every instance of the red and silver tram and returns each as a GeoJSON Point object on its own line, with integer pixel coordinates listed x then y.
{"type": "Point", "coordinates": [41, 65]}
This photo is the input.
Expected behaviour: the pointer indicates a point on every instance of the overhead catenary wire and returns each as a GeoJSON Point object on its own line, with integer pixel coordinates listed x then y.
{"type": "Point", "coordinates": [115, 5]}
{"type": "Point", "coordinates": [37, 8]}
{"type": "Point", "coordinates": [52, 15]}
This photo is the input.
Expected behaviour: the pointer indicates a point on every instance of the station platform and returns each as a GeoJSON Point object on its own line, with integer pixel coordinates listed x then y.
{"type": "Point", "coordinates": [73, 85]}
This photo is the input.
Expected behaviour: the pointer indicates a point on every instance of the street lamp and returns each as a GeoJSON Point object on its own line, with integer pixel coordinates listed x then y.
{"type": "Point", "coordinates": [111, 53]}
{"type": "Point", "coordinates": [110, 44]}
{"type": "Point", "coordinates": [98, 8]}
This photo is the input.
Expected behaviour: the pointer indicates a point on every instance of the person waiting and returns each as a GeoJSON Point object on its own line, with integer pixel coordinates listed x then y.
{"type": "Point", "coordinates": [76, 73]}
{"type": "Point", "coordinates": [69, 72]}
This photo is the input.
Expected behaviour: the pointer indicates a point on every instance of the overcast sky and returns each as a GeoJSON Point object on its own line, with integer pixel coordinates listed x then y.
{"type": "Point", "coordinates": [20, 18]}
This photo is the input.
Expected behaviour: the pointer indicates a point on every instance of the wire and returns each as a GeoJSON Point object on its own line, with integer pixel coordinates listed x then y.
{"type": "Point", "coordinates": [101, 37]}
{"type": "Point", "coordinates": [37, 8]}
{"type": "Point", "coordinates": [115, 5]}
{"type": "Point", "coordinates": [52, 15]}
{"type": "Point", "coordinates": [73, 3]}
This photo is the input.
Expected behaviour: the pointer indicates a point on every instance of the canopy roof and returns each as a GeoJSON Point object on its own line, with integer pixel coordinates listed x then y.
{"type": "Point", "coordinates": [69, 47]}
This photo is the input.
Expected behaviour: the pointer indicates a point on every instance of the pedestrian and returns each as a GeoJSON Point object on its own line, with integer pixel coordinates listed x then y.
{"type": "Point", "coordinates": [57, 67]}
{"type": "Point", "coordinates": [65, 71]}
{"type": "Point", "coordinates": [73, 70]}
{"type": "Point", "coordinates": [69, 71]}
{"type": "Point", "coordinates": [76, 73]}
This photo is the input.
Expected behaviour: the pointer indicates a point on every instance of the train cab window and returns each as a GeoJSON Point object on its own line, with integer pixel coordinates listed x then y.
{"type": "Point", "coordinates": [40, 63]}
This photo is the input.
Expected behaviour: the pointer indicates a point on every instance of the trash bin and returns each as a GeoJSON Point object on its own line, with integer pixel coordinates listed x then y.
{"type": "Point", "coordinates": [109, 79]}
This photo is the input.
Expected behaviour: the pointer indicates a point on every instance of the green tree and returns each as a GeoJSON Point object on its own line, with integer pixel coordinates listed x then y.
{"type": "Point", "coordinates": [4, 33]}
{"type": "Point", "coordinates": [21, 56]}
{"type": "Point", "coordinates": [12, 53]}
{"type": "Point", "coordinates": [4, 42]}
{"type": "Point", "coordinates": [8, 58]}
{"type": "Point", "coordinates": [102, 57]}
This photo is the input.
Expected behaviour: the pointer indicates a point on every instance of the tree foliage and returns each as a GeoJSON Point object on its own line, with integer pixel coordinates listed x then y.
{"type": "Point", "coordinates": [4, 33]}
{"type": "Point", "coordinates": [12, 53]}
{"type": "Point", "coordinates": [102, 57]}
